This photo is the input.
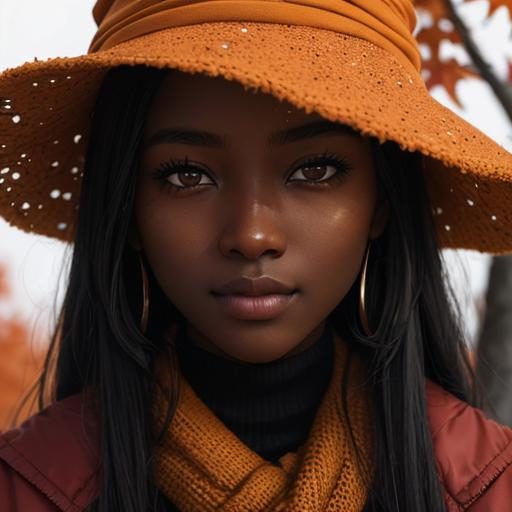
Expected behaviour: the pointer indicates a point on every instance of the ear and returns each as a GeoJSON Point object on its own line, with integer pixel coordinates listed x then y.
{"type": "Point", "coordinates": [133, 237]}
{"type": "Point", "coordinates": [380, 220]}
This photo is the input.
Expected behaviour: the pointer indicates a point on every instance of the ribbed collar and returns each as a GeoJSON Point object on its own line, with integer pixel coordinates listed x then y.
{"type": "Point", "coordinates": [269, 406]}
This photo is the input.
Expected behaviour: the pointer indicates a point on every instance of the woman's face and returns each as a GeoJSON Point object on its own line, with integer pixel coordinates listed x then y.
{"type": "Point", "coordinates": [237, 184]}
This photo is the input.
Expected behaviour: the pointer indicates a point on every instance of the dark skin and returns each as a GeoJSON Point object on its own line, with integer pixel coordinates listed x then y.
{"type": "Point", "coordinates": [257, 209]}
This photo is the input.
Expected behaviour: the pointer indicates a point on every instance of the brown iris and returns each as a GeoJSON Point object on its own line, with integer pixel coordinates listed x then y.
{"type": "Point", "coordinates": [189, 178]}
{"type": "Point", "coordinates": [314, 172]}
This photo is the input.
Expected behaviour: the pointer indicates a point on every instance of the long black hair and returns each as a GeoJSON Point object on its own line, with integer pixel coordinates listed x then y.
{"type": "Point", "coordinates": [98, 343]}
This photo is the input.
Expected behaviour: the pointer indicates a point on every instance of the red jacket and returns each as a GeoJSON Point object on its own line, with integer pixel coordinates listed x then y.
{"type": "Point", "coordinates": [50, 463]}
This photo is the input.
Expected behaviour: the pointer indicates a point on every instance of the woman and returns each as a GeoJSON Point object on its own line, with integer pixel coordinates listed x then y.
{"type": "Point", "coordinates": [256, 316]}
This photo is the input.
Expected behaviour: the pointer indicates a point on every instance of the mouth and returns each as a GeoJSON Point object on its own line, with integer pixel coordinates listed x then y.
{"type": "Point", "coordinates": [255, 307]}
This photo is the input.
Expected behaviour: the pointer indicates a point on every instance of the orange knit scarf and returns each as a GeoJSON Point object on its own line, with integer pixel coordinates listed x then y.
{"type": "Point", "coordinates": [202, 465]}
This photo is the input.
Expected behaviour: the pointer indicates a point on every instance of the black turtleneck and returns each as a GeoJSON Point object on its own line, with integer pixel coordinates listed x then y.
{"type": "Point", "coordinates": [269, 406]}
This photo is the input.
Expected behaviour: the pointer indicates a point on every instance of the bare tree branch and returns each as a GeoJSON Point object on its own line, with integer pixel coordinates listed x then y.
{"type": "Point", "coordinates": [502, 90]}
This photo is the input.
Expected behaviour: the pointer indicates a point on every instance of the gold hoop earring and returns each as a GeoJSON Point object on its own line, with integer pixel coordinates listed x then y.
{"type": "Point", "coordinates": [362, 289]}
{"type": "Point", "coordinates": [145, 296]}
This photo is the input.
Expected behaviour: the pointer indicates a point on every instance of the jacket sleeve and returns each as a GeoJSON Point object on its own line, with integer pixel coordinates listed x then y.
{"type": "Point", "coordinates": [473, 454]}
{"type": "Point", "coordinates": [486, 470]}
{"type": "Point", "coordinates": [18, 495]}
{"type": "Point", "coordinates": [496, 497]}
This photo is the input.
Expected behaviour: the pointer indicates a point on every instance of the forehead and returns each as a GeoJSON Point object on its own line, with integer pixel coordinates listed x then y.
{"type": "Point", "coordinates": [208, 102]}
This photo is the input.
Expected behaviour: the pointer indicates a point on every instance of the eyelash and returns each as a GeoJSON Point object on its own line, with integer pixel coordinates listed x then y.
{"type": "Point", "coordinates": [165, 170]}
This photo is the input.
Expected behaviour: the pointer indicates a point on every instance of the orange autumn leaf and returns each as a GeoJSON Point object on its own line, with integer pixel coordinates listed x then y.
{"type": "Point", "coordinates": [20, 363]}
{"type": "Point", "coordinates": [446, 73]}
{"type": "Point", "coordinates": [435, 7]}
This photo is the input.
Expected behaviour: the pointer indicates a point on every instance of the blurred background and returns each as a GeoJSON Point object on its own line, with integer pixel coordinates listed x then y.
{"type": "Point", "coordinates": [466, 47]}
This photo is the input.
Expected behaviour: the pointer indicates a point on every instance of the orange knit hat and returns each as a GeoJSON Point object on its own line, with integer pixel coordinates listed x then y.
{"type": "Point", "coordinates": [351, 61]}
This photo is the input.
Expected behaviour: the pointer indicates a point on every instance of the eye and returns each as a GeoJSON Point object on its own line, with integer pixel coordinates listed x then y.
{"type": "Point", "coordinates": [187, 179]}
{"type": "Point", "coordinates": [316, 172]}
{"type": "Point", "coordinates": [181, 175]}
{"type": "Point", "coordinates": [320, 170]}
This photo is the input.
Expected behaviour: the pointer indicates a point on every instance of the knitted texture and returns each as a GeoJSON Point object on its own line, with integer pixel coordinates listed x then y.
{"type": "Point", "coordinates": [47, 106]}
{"type": "Point", "coordinates": [388, 24]}
{"type": "Point", "coordinates": [202, 465]}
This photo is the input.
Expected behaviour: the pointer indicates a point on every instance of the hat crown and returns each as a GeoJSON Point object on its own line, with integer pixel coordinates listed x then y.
{"type": "Point", "coordinates": [386, 23]}
{"type": "Point", "coordinates": [403, 8]}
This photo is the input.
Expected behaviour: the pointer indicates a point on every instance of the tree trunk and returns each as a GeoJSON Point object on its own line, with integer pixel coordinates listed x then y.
{"type": "Point", "coordinates": [494, 350]}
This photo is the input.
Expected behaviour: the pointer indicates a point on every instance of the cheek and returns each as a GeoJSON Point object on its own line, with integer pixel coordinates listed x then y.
{"type": "Point", "coordinates": [335, 253]}
{"type": "Point", "coordinates": [173, 240]}
{"type": "Point", "coordinates": [338, 236]}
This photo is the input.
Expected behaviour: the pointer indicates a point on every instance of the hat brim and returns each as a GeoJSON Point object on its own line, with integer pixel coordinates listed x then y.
{"type": "Point", "coordinates": [46, 122]}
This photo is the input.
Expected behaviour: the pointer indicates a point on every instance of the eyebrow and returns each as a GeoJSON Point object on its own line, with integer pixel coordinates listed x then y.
{"type": "Point", "coordinates": [279, 138]}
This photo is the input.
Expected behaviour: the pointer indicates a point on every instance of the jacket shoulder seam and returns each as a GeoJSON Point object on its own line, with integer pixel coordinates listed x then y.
{"type": "Point", "coordinates": [480, 482]}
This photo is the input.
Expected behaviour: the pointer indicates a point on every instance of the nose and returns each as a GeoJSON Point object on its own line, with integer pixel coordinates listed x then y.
{"type": "Point", "coordinates": [252, 230]}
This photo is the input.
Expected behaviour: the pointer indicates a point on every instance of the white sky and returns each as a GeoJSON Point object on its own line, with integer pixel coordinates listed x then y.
{"type": "Point", "coordinates": [59, 28]}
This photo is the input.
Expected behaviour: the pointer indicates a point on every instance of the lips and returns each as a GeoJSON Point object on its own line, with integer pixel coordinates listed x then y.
{"type": "Point", "coordinates": [263, 298]}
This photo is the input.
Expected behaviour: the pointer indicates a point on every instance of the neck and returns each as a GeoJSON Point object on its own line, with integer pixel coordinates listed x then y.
{"type": "Point", "coordinates": [269, 406]}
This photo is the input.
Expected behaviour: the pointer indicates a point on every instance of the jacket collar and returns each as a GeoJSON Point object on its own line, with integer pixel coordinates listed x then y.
{"type": "Point", "coordinates": [57, 451]}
